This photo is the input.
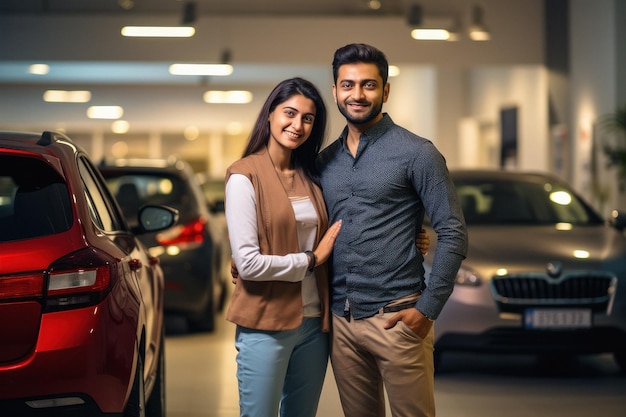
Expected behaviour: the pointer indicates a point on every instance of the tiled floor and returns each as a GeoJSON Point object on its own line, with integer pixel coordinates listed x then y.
{"type": "Point", "coordinates": [200, 378]}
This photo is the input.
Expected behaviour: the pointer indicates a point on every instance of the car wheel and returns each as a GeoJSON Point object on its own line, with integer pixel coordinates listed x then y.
{"type": "Point", "coordinates": [620, 358]}
{"type": "Point", "coordinates": [137, 400]}
{"type": "Point", "coordinates": [203, 321]}
{"type": "Point", "coordinates": [155, 407]}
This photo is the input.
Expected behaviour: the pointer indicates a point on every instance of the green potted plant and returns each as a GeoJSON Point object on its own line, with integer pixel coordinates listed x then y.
{"type": "Point", "coordinates": [614, 145]}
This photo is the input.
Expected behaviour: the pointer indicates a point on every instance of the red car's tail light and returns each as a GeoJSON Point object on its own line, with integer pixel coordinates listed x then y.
{"type": "Point", "coordinates": [192, 232]}
{"type": "Point", "coordinates": [80, 279]}
{"type": "Point", "coordinates": [26, 286]}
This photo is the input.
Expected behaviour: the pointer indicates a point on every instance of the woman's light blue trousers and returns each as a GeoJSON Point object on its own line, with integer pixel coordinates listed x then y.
{"type": "Point", "coordinates": [281, 371]}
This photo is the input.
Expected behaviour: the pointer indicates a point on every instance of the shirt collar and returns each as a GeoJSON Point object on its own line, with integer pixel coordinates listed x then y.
{"type": "Point", "coordinates": [373, 133]}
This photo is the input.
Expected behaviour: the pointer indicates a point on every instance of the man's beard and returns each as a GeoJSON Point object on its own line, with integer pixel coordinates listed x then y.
{"type": "Point", "coordinates": [363, 119]}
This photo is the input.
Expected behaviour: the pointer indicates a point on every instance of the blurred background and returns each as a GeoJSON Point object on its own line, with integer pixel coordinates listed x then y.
{"type": "Point", "coordinates": [516, 83]}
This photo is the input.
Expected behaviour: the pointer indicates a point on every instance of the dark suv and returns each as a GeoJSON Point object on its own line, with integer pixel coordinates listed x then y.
{"type": "Point", "coordinates": [195, 285]}
{"type": "Point", "coordinates": [81, 300]}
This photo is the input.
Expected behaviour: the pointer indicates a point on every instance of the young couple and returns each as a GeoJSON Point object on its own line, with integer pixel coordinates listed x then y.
{"type": "Point", "coordinates": [333, 238]}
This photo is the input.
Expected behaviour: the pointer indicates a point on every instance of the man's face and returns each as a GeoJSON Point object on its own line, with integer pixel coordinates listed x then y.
{"type": "Point", "coordinates": [360, 93]}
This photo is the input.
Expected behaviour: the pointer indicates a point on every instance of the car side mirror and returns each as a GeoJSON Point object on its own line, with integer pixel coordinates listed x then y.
{"type": "Point", "coordinates": [156, 218]}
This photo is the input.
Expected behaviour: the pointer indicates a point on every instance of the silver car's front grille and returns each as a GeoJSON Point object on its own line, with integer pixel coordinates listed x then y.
{"type": "Point", "coordinates": [514, 293]}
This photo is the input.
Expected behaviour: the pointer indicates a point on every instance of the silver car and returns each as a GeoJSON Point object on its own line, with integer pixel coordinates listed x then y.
{"type": "Point", "coordinates": [545, 274]}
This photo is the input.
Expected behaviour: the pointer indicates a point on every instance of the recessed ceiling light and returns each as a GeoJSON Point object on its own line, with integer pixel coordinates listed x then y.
{"type": "Point", "coordinates": [120, 126]}
{"type": "Point", "coordinates": [39, 69]}
{"type": "Point", "coordinates": [158, 31]}
{"type": "Point", "coordinates": [430, 34]}
{"type": "Point", "coordinates": [105, 112]}
{"type": "Point", "coordinates": [227, 97]}
{"type": "Point", "coordinates": [64, 96]}
{"type": "Point", "coordinates": [201, 69]}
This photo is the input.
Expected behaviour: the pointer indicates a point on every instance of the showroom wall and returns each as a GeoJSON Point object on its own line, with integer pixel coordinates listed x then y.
{"type": "Point", "coordinates": [598, 86]}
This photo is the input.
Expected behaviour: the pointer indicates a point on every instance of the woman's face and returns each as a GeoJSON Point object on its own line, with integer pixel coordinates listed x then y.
{"type": "Point", "coordinates": [291, 121]}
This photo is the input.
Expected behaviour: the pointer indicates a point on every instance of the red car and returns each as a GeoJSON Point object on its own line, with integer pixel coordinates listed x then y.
{"type": "Point", "coordinates": [81, 300]}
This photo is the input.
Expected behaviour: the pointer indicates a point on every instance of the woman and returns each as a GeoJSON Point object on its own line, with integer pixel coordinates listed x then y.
{"type": "Point", "coordinates": [278, 228]}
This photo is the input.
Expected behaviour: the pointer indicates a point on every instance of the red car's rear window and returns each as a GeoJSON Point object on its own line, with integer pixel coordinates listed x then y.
{"type": "Point", "coordinates": [34, 200]}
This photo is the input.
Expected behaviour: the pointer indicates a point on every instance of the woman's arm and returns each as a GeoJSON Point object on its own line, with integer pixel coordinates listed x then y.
{"type": "Point", "coordinates": [241, 218]}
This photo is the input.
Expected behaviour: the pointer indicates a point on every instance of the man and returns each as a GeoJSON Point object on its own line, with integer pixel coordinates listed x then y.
{"type": "Point", "coordinates": [381, 179]}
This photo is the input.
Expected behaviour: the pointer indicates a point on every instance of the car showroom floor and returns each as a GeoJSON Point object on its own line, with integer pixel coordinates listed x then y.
{"type": "Point", "coordinates": [200, 378]}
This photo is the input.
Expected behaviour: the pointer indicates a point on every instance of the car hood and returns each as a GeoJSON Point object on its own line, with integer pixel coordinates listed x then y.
{"type": "Point", "coordinates": [531, 248]}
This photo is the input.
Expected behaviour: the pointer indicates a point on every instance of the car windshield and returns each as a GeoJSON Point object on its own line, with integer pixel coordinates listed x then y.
{"type": "Point", "coordinates": [490, 201]}
{"type": "Point", "coordinates": [34, 200]}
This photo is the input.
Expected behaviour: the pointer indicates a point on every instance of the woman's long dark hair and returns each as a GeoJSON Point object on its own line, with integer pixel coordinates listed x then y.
{"type": "Point", "coordinates": [304, 156]}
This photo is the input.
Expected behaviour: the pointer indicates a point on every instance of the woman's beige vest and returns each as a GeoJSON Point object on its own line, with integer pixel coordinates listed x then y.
{"type": "Point", "coordinates": [276, 305]}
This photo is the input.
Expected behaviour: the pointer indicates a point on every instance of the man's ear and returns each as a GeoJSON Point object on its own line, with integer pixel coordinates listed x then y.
{"type": "Point", "coordinates": [386, 92]}
{"type": "Point", "coordinates": [335, 93]}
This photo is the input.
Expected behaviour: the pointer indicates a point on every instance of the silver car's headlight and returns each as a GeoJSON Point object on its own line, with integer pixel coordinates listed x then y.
{"type": "Point", "coordinates": [466, 276]}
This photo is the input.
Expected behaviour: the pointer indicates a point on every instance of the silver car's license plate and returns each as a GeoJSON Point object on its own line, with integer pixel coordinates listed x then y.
{"type": "Point", "coordinates": [557, 318]}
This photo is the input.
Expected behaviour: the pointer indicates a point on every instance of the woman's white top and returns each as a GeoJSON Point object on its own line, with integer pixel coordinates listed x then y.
{"type": "Point", "coordinates": [244, 242]}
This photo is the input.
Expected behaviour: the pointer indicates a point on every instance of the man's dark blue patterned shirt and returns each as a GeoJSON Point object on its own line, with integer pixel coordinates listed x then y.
{"type": "Point", "coordinates": [382, 195]}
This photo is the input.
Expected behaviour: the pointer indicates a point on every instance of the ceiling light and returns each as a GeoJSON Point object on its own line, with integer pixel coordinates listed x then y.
{"type": "Point", "coordinates": [39, 69]}
{"type": "Point", "coordinates": [63, 96]}
{"type": "Point", "coordinates": [105, 112]}
{"type": "Point", "coordinates": [201, 69]}
{"type": "Point", "coordinates": [227, 97]}
{"type": "Point", "coordinates": [394, 71]}
{"type": "Point", "coordinates": [158, 31]}
{"type": "Point", "coordinates": [430, 34]}
{"type": "Point", "coordinates": [444, 27]}
{"type": "Point", "coordinates": [374, 4]}
{"type": "Point", "coordinates": [120, 127]}
{"type": "Point", "coordinates": [429, 27]}
{"type": "Point", "coordinates": [477, 30]}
